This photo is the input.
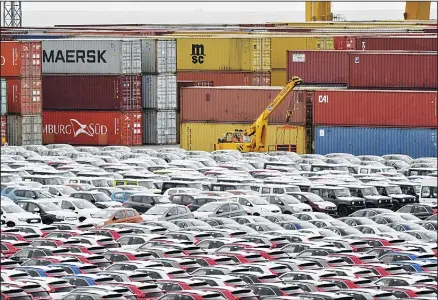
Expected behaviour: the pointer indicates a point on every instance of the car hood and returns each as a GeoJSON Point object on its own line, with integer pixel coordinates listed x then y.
{"type": "Point", "coordinates": [350, 198]}
{"type": "Point", "coordinates": [58, 296]}
{"type": "Point", "coordinates": [325, 204]}
{"type": "Point", "coordinates": [269, 207]}
{"type": "Point", "coordinates": [63, 213]}
{"type": "Point", "coordinates": [377, 197]}
{"type": "Point", "coordinates": [26, 215]}
{"type": "Point", "coordinates": [202, 214]}
{"type": "Point", "coordinates": [401, 196]}
{"type": "Point", "coordinates": [95, 221]}
{"type": "Point", "coordinates": [152, 217]}
{"type": "Point", "coordinates": [110, 203]}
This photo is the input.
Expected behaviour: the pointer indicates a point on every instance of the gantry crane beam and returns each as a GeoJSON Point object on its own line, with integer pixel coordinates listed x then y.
{"type": "Point", "coordinates": [319, 11]}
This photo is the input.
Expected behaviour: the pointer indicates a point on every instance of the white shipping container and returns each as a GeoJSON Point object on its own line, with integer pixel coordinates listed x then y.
{"type": "Point", "coordinates": [4, 96]}
{"type": "Point", "coordinates": [24, 130]}
{"type": "Point", "coordinates": [159, 91]}
{"type": "Point", "coordinates": [158, 56]}
{"type": "Point", "coordinates": [91, 56]}
{"type": "Point", "coordinates": [159, 127]}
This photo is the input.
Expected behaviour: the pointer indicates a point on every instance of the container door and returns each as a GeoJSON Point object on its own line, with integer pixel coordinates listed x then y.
{"type": "Point", "coordinates": [30, 59]}
{"type": "Point", "coordinates": [150, 93]}
{"type": "Point", "coordinates": [171, 56]}
{"type": "Point", "coordinates": [4, 96]}
{"type": "Point", "coordinates": [3, 130]}
{"type": "Point", "coordinates": [161, 56]}
{"type": "Point", "coordinates": [126, 57]}
{"type": "Point", "coordinates": [172, 90]}
{"type": "Point", "coordinates": [266, 54]}
{"type": "Point", "coordinates": [256, 50]}
{"type": "Point", "coordinates": [135, 57]}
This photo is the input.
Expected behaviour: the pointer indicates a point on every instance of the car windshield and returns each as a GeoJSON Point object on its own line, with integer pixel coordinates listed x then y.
{"type": "Point", "coordinates": [393, 190]}
{"type": "Point", "coordinates": [49, 206]}
{"type": "Point", "coordinates": [370, 191]}
{"type": "Point", "coordinates": [384, 228]}
{"type": "Point", "coordinates": [101, 197]}
{"type": "Point", "coordinates": [430, 234]}
{"type": "Point", "coordinates": [66, 190]}
{"type": "Point", "coordinates": [342, 193]}
{"type": "Point", "coordinates": [292, 189]}
{"type": "Point", "coordinates": [12, 208]}
{"type": "Point", "coordinates": [82, 204]}
{"type": "Point", "coordinates": [43, 194]}
{"type": "Point", "coordinates": [289, 199]}
{"type": "Point", "coordinates": [54, 181]}
{"type": "Point", "coordinates": [157, 210]}
{"type": "Point", "coordinates": [161, 199]}
{"type": "Point", "coordinates": [103, 214]}
{"type": "Point", "coordinates": [314, 198]}
{"type": "Point", "coordinates": [409, 217]}
{"type": "Point", "coordinates": [99, 182]}
{"type": "Point", "coordinates": [258, 201]}
{"type": "Point", "coordinates": [429, 192]}
{"type": "Point", "coordinates": [209, 207]}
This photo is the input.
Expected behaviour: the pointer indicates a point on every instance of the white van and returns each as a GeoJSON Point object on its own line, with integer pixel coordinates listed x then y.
{"type": "Point", "coordinates": [428, 191]}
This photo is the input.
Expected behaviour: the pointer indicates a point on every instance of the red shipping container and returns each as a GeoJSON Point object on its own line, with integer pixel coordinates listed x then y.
{"type": "Point", "coordinates": [93, 127]}
{"type": "Point", "coordinates": [375, 108]}
{"type": "Point", "coordinates": [392, 70]}
{"type": "Point", "coordinates": [405, 43]}
{"type": "Point", "coordinates": [92, 92]}
{"type": "Point", "coordinates": [3, 129]}
{"type": "Point", "coordinates": [24, 96]}
{"type": "Point", "coordinates": [318, 67]}
{"type": "Point", "coordinates": [238, 105]}
{"type": "Point", "coordinates": [20, 59]}
{"type": "Point", "coordinates": [344, 42]}
{"type": "Point", "coordinates": [228, 78]}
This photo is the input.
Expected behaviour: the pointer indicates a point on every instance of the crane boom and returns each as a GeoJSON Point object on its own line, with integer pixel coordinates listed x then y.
{"type": "Point", "coordinates": [254, 138]}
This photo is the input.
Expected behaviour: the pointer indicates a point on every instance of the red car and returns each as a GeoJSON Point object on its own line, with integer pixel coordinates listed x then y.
{"type": "Point", "coordinates": [115, 233]}
{"type": "Point", "coordinates": [269, 254]}
{"type": "Point", "coordinates": [87, 249]}
{"type": "Point", "coordinates": [197, 295]}
{"type": "Point", "coordinates": [409, 292]}
{"type": "Point", "coordinates": [232, 293]}
{"type": "Point", "coordinates": [213, 260]}
{"type": "Point", "coordinates": [383, 270]}
{"type": "Point", "coordinates": [96, 259]}
{"type": "Point", "coordinates": [127, 255]}
{"type": "Point", "coordinates": [9, 248]}
{"type": "Point", "coordinates": [18, 236]}
{"type": "Point", "coordinates": [244, 257]}
{"type": "Point", "coordinates": [356, 258]}
{"type": "Point", "coordinates": [34, 289]}
{"type": "Point", "coordinates": [143, 291]}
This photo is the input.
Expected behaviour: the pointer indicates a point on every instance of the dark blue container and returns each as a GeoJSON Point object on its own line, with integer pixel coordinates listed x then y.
{"type": "Point", "coordinates": [415, 142]}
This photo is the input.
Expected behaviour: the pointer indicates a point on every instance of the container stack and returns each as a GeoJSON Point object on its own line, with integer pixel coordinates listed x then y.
{"type": "Point", "coordinates": [93, 89]}
{"type": "Point", "coordinates": [389, 105]}
{"type": "Point", "coordinates": [225, 60]}
{"type": "Point", "coordinates": [159, 100]}
{"type": "Point", "coordinates": [21, 94]}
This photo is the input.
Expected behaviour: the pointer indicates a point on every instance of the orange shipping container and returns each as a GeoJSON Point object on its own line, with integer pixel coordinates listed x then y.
{"type": "Point", "coordinates": [24, 96]}
{"type": "Point", "coordinates": [3, 130]}
{"type": "Point", "coordinates": [20, 59]}
{"type": "Point", "coordinates": [228, 78]}
{"type": "Point", "coordinates": [238, 104]}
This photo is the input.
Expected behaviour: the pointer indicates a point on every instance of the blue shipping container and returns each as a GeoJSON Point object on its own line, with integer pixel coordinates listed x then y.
{"type": "Point", "coordinates": [415, 142]}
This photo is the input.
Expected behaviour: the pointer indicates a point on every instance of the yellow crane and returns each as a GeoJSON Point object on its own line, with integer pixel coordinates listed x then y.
{"type": "Point", "coordinates": [253, 139]}
{"type": "Point", "coordinates": [322, 11]}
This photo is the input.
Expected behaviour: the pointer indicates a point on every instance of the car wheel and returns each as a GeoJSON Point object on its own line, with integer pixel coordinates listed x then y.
{"type": "Point", "coordinates": [256, 214]}
{"type": "Point", "coordinates": [10, 224]}
{"type": "Point", "coordinates": [342, 210]}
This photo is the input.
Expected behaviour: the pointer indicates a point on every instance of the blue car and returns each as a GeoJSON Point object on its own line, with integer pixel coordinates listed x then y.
{"type": "Point", "coordinates": [88, 279]}
{"type": "Point", "coordinates": [417, 266]}
{"type": "Point", "coordinates": [43, 271]}
{"type": "Point", "coordinates": [76, 268]}
{"type": "Point", "coordinates": [122, 196]}
{"type": "Point", "coordinates": [26, 193]}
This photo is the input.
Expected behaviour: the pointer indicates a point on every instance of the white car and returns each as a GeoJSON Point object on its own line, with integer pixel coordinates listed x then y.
{"type": "Point", "coordinates": [255, 205]}
{"type": "Point", "coordinates": [12, 214]}
{"type": "Point", "coordinates": [83, 208]}
{"type": "Point", "coordinates": [58, 288]}
{"type": "Point", "coordinates": [59, 190]}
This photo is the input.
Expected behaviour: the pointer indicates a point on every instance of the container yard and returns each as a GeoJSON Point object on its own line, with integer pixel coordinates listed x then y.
{"type": "Point", "coordinates": [217, 160]}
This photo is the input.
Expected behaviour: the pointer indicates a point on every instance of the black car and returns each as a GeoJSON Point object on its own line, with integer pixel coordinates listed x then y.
{"type": "Point", "coordinates": [371, 196]}
{"type": "Point", "coordinates": [142, 202]}
{"type": "Point", "coordinates": [47, 210]}
{"type": "Point", "coordinates": [421, 211]}
{"type": "Point", "coordinates": [315, 202]}
{"type": "Point", "coordinates": [394, 191]}
{"type": "Point", "coordinates": [345, 203]}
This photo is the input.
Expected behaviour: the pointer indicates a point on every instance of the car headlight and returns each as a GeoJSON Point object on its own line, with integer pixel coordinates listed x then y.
{"type": "Point", "coordinates": [353, 203]}
{"type": "Point", "coordinates": [402, 200]}
{"type": "Point", "coordinates": [380, 201]}
{"type": "Point", "coordinates": [60, 217]}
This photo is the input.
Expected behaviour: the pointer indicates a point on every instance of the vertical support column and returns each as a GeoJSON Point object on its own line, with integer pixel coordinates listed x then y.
{"type": "Point", "coordinates": [12, 15]}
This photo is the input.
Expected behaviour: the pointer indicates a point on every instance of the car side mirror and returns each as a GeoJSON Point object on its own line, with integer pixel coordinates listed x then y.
{"type": "Point", "coordinates": [220, 211]}
{"type": "Point", "coordinates": [36, 210]}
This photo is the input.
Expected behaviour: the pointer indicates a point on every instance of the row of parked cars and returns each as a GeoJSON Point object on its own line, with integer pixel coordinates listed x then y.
{"type": "Point", "coordinates": [116, 223]}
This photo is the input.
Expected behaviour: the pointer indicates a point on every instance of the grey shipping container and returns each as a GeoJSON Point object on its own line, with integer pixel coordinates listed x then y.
{"type": "Point", "coordinates": [4, 96]}
{"type": "Point", "coordinates": [159, 91]}
{"type": "Point", "coordinates": [24, 130]}
{"type": "Point", "coordinates": [158, 56]}
{"type": "Point", "coordinates": [91, 56]}
{"type": "Point", "coordinates": [159, 127]}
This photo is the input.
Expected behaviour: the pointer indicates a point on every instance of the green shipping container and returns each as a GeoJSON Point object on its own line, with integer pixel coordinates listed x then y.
{"type": "Point", "coordinates": [4, 97]}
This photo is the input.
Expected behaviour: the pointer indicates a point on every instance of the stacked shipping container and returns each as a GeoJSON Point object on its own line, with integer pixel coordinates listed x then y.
{"type": "Point", "coordinates": [353, 120]}
{"type": "Point", "coordinates": [159, 91]}
{"type": "Point", "coordinates": [93, 92]}
{"type": "Point", "coordinates": [21, 88]}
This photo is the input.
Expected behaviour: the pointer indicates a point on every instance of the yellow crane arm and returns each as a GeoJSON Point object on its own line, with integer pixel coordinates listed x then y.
{"type": "Point", "coordinates": [259, 127]}
{"type": "Point", "coordinates": [416, 10]}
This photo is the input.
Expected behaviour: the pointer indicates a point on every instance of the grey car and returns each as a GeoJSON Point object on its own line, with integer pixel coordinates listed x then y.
{"type": "Point", "coordinates": [167, 212]}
